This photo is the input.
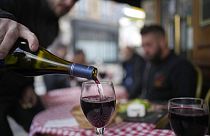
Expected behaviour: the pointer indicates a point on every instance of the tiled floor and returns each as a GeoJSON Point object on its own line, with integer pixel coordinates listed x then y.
{"type": "Point", "coordinates": [16, 129]}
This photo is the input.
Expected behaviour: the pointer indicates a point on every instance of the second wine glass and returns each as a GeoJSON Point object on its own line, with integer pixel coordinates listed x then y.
{"type": "Point", "coordinates": [188, 116]}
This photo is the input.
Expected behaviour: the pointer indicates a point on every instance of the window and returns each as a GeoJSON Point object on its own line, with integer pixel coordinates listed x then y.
{"type": "Point", "coordinates": [98, 41]}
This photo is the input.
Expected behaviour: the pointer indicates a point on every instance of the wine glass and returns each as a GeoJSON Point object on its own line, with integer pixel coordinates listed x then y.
{"type": "Point", "coordinates": [98, 103]}
{"type": "Point", "coordinates": [188, 116]}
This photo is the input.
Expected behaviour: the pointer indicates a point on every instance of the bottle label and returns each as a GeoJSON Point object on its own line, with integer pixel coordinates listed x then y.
{"type": "Point", "coordinates": [18, 50]}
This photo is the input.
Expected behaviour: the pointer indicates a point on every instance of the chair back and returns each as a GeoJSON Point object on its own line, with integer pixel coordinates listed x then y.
{"type": "Point", "coordinates": [199, 82]}
{"type": "Point", "coordinates": [207, 98]}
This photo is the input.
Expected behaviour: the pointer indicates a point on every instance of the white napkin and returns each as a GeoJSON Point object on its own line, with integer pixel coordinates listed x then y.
{"type": "Point", "coordinates": [68, 122]}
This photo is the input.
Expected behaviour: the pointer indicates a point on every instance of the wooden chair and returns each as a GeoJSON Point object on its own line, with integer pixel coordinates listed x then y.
{"type": "Point", "coordinates": [199, 83]}
{"type": "Point", "coordinates": [207, 98]}
{"type": "Point", "coordinates": [162, 123]}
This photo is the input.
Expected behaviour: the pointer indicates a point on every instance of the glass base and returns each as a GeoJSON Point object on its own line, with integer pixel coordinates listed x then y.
{"type": "Point", "coordinates": [100, 131]}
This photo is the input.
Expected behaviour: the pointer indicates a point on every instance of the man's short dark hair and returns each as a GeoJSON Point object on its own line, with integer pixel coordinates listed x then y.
{"type": "Point", "coordinates": [156, 29]}
{"type": "Point", "coordinates": [79, 51]}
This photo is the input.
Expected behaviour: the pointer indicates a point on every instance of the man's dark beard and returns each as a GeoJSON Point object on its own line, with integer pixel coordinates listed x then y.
{"type": "Point", "coordinates": [156, 59]}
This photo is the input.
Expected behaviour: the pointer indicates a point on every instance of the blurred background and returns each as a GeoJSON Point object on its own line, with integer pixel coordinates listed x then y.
{"type": "Point", "coordinates": [101, 28]}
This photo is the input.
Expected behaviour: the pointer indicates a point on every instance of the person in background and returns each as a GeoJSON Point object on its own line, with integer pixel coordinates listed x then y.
{"type": "Point", "coordinates": [79, 57]}
{"type": "Point", "coordinates": [132, 65]}
{"type": "Point", "coordinates": [37, 22]}
{"type": "Point", "coordinates": [165, 74]}
{"type": "Point", "coordinates": [57, 81]}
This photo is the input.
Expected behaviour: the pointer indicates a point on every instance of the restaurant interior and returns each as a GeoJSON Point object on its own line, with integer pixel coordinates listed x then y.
{"type": "Point", "coordinates": [96, 33]}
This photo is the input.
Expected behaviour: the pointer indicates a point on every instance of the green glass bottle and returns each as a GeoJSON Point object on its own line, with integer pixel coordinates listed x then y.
{"type": "Point", "coordinates": [41, 62]}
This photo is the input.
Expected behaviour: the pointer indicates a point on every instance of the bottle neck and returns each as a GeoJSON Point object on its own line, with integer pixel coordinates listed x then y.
{"type": "Point", "coordinates": [84, 71]}
{"type": "Point", "coordinates": [62, 66]}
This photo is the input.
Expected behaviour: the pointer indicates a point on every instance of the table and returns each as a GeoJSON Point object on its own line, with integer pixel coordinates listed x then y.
{"type": "Point", "coordinates": [72, 96]}
{"type": "Point", "coordinates": [60, 110]}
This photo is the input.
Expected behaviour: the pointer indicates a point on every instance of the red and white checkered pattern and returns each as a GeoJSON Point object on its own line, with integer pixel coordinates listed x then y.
{"type": "Point", "coordinates": [62, 112]}
{"type": "Point", "coordinates": [61, 108]}
{"type": "Point", "coordinates": [122, 129]}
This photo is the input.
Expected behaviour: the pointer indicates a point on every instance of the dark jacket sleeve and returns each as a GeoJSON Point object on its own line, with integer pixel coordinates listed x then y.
{"type": "Point", "coordinates": [8, 8]}
{"type": "Point", "coordinates": [184, 80]}
{"type": "Point", "coordinates": [136, 89]}
{"type": "Point", "coordinates": [4, 14]}
{"type": "Point", "coordinates": [138, 72]}
{"type": "Point", "coordinates": [11, 84]}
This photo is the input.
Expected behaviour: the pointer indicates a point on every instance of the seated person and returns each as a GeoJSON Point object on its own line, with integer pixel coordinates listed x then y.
{"type": "Point", "coordinates": [132, 63]}
{"type": "Point", "coordinates": [79, 57]}
{"type": "Point", "coordinates": [57, 81]}
{"type": "Point", "coordinates": [165, 74]}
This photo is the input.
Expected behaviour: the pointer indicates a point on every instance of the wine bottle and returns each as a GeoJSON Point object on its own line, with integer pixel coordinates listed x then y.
{"type": "Point", "coordinates": [41, 62]}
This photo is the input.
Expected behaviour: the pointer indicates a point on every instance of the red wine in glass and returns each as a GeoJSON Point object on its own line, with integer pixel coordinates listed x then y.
{"type": "Point", "coordinates": [98, 101]}
{"type": "Point", "coordinates": [188, 121]}
{"type": "Point", "coordinates": [98, 111]}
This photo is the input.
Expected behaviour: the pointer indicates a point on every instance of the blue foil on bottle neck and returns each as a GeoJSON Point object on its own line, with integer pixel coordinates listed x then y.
{"type": "Point", "coordinates": [82, 71]}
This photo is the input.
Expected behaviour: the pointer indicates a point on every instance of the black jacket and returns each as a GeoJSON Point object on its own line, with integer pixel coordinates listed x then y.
{"type": "Point", "coordinates": [172, 77]}
{"type": "Point", "coordinates": [56, 81]}
{"type": "Point", "coordinates": [4, 14]}
{"type": "Point", "coordinates": [38, 17]}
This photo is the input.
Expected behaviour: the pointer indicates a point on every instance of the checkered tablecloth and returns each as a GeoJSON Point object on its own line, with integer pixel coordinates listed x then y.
{"type": "Point", "coordinates": [122, 129]}
{"type": "Point", "coordinates": [62, 112]}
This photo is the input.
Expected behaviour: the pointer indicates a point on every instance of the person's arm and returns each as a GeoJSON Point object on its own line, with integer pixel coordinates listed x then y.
{"type": "Point", "coordinates": [10, 30]}
{"type": "Point", "coordinates": [183, 80]}
{"type": "Point", "coordinates": [137, 85]}
{"type": "Point", "coordinates": [28, 97]}
{"type": "Point", "coordinates": [136, 89]}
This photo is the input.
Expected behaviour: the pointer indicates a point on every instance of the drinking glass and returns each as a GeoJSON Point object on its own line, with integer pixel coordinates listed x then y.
{"type": "Point", "coordinates": [98, 103]}
{"type": "Point", "coordinates": [188, 116]}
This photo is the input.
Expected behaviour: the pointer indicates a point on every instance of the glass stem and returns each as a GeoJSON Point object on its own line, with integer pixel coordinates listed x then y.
{"type": "Point", "coordinates": [100, 131]}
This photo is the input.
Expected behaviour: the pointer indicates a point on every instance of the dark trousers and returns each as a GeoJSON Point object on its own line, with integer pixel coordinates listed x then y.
{"type": "Point", "coordinates": [22, 116]}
